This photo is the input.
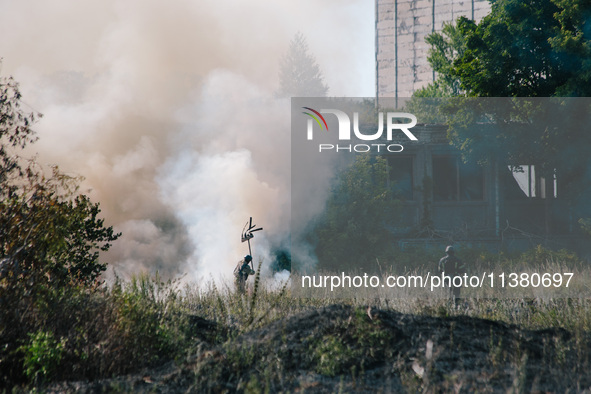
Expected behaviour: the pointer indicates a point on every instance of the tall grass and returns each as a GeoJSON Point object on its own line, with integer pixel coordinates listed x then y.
{"type": "Point", "coordinates": [146, 321]}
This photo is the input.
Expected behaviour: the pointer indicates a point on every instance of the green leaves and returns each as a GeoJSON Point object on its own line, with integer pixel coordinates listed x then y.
{"type": "Point", "coordinates": [524, 48]}
{"type": "Point", "coordinates": [352, 230]}
{"type": "Point", "coordinates": [51, 230]}
{"type": "Point", "coordinates": [15, 127]}
{"type": "Point", "coordinates": [48, 231]}
{"type": "Point", "coordinates": [43, 355]}
{"type": "Point", "coordinates": [445, 48]}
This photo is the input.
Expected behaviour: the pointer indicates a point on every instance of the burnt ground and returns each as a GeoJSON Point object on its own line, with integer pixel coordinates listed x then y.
{"type": "Point", "coordinates": [341, 348]}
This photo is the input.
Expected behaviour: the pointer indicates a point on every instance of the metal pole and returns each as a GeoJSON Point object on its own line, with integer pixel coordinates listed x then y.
{"type": "Point", "coordinates": [396, 53]}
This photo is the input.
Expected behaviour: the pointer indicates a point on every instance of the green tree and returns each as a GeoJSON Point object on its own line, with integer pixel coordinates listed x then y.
{"type": "Point", "coordinates": [446, 47]}
{"type": "Point", "coordinates": [15, 130]}
{"type": "Point", "coordinates": [509, 53]}
{"type": "Point", "coordinates": [49, 231]}
{"type": "Point", "coordinates": [299, 74]}
{"type": "Point", "coordinates": [523, 48]}
{"type": "Point", "coordinates": [353, 230]}
{"type": "Point", "coordinates": [50, 239]}
{"type": "Point", "coordinates": [573, 42]}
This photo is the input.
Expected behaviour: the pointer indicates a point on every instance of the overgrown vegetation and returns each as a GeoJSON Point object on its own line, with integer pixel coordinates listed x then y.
{"type": "Point", "coordinates": [266, 339]}
{"type": "Point", "coordinates": [522, 49]}
{"type": "Point", "coordinates": [50, 239]}
{"type": "Point", "coordinates": [295, 343]}
{"type": "Point", "coordinates": [352, 230]}
{"type": "Point", "coordinates": [80, 333]}
{"type": "Point", "coordinates": [59, 323]}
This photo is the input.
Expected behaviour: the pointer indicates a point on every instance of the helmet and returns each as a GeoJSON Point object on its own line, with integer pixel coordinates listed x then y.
{"type": "Point", "coordinates": [449, 249]}
{"type": "Point", "coordinates": [248, 258]}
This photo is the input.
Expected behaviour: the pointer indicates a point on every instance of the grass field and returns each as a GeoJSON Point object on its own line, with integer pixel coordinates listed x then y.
{"type": "Point", "coordinates": [148, 334]}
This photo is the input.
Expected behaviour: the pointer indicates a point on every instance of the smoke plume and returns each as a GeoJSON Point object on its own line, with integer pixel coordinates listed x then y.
{"type": "Point", "coordinates": [168, 111]}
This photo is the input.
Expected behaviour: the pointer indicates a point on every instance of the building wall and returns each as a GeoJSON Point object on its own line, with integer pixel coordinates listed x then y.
{"type": "Point", "coordinates": [401, 50]}
{"type": "Point", "coordinates": [501, 209]}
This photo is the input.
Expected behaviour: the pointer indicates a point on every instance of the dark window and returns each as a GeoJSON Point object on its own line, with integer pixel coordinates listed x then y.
{"type": "Point", "coordinates": [445, 178]}
{"type": "Point", "coordinates": [400, 177]}
{"type": "Point", "coordinates": [454, 180]}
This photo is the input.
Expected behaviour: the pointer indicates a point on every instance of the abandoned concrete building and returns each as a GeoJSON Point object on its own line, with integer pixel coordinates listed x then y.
{"type": "Point", "coordinates": [445, 199]}
{"type": "Point", "coordinates": [452, 201]}
{"type": "Point", "coordinates": [400, 30]}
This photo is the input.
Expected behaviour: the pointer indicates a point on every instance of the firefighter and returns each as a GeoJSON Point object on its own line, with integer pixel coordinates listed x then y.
{"type": "Point", "coordinates": [452, 266]}
{"type": "Point", "coordinates": [242, 271]}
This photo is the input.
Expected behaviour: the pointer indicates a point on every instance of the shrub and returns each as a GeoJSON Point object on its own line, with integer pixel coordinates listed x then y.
{"type": "Point", "coordinates": [540, 255]}
{"type": "Point", "coordinates": [42, 355]}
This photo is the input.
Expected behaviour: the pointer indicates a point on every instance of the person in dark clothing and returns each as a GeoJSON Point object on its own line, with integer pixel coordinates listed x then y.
{"type": "Point", "coordinates": [452, 266]}
{"type": "Point", "coordinates": [242, 271]}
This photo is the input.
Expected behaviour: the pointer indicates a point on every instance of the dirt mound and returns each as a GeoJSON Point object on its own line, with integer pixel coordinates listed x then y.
{"type": "Point", "coordinates": [365, 350]}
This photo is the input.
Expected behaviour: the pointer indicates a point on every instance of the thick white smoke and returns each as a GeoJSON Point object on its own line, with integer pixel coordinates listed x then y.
{"type": "Point", "coordinates": [230, 165]}
{"type": "Point", "coordinates": [168, 110]}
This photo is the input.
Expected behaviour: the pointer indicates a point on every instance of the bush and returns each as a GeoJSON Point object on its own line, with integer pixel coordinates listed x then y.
{"type": "Point", "coordinates": [80, 332]}
{"type": "Point", "coordinates": [50, 232]}
{"type": "Point", "coordinates": [540, 255]}
{"type": "Point", "coordinates": [352, 230]}
{"type": "Point", "coordinates": [42, 355]}
{"type": "Point", "coordinates": [50, 241]}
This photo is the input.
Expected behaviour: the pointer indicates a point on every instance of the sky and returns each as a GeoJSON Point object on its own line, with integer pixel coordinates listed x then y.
{"type": "Point", "coordinates": [168, 110]}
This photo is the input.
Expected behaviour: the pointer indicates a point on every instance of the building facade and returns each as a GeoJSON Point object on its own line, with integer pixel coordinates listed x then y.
{"type": "Point", "coordinates": [401, 51]}
{"type": "Point", "coordinates": [445, 199]}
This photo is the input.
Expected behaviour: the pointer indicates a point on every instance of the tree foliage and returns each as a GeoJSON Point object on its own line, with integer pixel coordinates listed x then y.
{"type": "Point", "coordinates": [352, 231]}
{"type": "Point", "coordinates": [446, 47]}
{"type": "Point", "coordinates": [427, 101]}
{"type": "Point", "coordinates": [299, 74]}
{"type": "Point", "coordinates": [523, 48]}
{"type": "Point", "coordinates": [50, 233]}
{"type": "Point", "coordinates": [15, 128]}
{"type": "Point", "coordinates": [50, 239]}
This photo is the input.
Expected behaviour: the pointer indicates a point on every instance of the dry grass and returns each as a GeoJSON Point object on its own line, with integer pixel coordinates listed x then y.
{"type": "Point", "coordinates": [218, 335]}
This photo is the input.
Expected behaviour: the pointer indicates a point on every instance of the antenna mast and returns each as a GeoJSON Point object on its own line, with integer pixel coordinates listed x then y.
{"type": "Point", "coordinates": [247, 235]}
